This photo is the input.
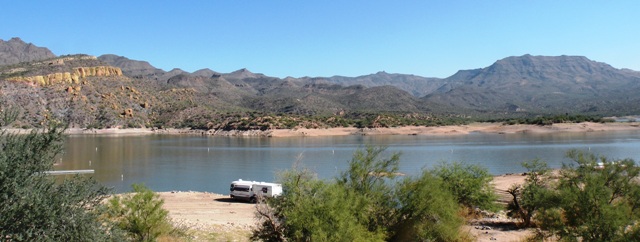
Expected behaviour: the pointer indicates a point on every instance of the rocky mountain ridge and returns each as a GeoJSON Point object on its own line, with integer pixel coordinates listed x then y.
{"type": "Point", "coordinates": [15, 51]}
{"type": "Point", "coordinates": [540, 84]}
{"type": "Point", "coordinates": [131, 68]}
{"type": "Point", "coordinates": [511, 87]}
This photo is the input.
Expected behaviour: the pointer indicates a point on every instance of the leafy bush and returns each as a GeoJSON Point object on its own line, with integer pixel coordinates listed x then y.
{"type": "Point", "coordinates": [368, 176]}
{"type": "Point", "coordinates": [140, 214]}
{"type": "Point", "coordinates": [365, 203]}
{"type": "Point", "coordinates": [534, 195]}
{"type": "Point", "coordinates": [593, 199]}
{"type": "Point", "coordinates": [35, 207]}
{"type": "Point", "coordinates": [429, 212]}
{"type": "Point", "coordinates": [599, 199]}
{"type": "Point", "coordinates": [470, 184]}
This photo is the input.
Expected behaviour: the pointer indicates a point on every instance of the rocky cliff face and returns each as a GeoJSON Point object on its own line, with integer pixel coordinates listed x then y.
{"type": "Point", "coordinates": [69, 77]}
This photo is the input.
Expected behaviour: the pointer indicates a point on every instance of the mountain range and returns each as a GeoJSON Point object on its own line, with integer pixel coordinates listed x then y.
{"type": "Point", "coordinates": [112, 90]}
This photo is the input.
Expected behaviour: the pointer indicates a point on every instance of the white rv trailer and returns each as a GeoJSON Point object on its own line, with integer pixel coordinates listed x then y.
{"type": "Point", "coordinates": [251, 190]}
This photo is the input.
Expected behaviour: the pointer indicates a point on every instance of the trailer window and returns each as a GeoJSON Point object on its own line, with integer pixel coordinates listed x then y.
{"type": "Point", "coordinates": [241, 189]}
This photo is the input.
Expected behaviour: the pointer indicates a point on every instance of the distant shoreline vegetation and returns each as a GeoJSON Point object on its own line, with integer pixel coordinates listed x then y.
{"type": "Point", "coordinates": [247, 121]}
{"type": "Point", "coordinates": [260, 121]}
{"type": "Point", "coordinates": [549, 120]}
{"type": "Point", "coordinates": [264, 121]}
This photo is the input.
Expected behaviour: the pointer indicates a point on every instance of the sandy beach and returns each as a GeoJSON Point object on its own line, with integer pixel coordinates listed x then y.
{"type": "Point", "coordinates": [486, 128]}
{"type": "Point", "coordinates": [232, 220]}
{"type": "Point", "coordinates": [481, 128]}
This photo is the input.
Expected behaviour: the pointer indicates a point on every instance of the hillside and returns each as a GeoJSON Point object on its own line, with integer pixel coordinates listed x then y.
{"type": "Point", "coordinates": [114, 91]}
{"type": "Point", "coordinates": [415, 85]}
{"type": "Point", "coordinates": [542, 84]}
{"type": "Point", "coordinates": [131, 68]}
{"type": "Point", "coordinates": [15, 51]}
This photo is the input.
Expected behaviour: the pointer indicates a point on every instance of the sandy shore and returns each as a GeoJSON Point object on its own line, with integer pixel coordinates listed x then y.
{"type": "Point", "coordinates": [486, 128]}
{"type": "Point", "coordinates": [481, 128]}
{"type": "Point", "coordinates": [233, 220]}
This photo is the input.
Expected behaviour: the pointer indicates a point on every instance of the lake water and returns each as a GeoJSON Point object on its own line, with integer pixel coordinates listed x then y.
{"type": "Point", "coordinates": [201, 163]}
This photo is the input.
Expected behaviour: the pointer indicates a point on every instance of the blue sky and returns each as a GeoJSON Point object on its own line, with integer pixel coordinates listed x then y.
{"type": "Point", "coordinates": [325, 38]}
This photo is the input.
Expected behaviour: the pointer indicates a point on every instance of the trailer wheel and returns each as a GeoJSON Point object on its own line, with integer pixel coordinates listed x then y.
{"type": "Point", "coordinates": [253, 200]}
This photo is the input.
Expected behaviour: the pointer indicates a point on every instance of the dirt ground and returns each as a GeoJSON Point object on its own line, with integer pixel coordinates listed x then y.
{"type": "Point", "coordinates": [213, 217]}
{"type": "Point", "coordinates": [216, 217]}
{"type": "Point", "coordinates": [497, 227]}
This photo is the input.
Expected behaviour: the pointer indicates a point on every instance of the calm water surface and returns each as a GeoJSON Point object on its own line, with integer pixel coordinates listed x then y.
{"type": "Point", "coordinates": [197, 163]}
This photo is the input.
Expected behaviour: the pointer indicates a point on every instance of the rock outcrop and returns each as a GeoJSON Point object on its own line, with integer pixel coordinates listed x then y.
{"type": "Point", "coordinates": [61, 60]}
{"type": "Point", "coordinates": [69, 77]}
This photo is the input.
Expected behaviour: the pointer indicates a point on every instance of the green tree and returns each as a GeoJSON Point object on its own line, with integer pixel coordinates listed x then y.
{"type": "Point", "coordinates": [140, 214]}
{"type": "Point", "coordinates": [368, 176]}
{"type": "Point", "coordinates": [535, 194]}
{"type": "Point", "coordinates": [35, 207]}
{"type": "Point", "coordinates": [470, 184]}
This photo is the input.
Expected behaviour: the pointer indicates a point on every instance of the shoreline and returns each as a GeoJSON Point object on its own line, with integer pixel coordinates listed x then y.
{"type": "Point", "coordinates": [211, 212]}
{"type": "Point", "coordinates": [473, 128]}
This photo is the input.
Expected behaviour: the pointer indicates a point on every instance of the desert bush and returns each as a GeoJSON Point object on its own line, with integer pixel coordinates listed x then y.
{"type": "Point", "coordinates": [370, 176]}
{"type": "Point", "coordinates": [37, 208]}
{"type": "Point", "coordinates": [470, 184]}
{"type": "Point", "coordinates": [140, 215]}
{"type": "Point", "coordinates": [8, 114]}
{"type": "Point", "coordinates": [428, 211]}
{"type": "Point", "coordinates": [599, 199]}
{"type": "Point", "coordinates": [532, 196]}
{"type": "Point", "coordinates": [592, 199]}
{"type": "Point", "coordinates": [365, 203]}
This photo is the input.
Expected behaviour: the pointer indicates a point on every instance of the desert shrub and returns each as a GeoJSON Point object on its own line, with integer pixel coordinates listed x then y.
{"type": "Point", "coordinates": [140, 215]}
{"type": "Point", "coordinates": [8, 114]}
{"type": "Point", "coordinates": [364, 203]}
{"type": "Point", "coordinates": [598, 198]}
{"type": "Point", "coordinates": [429, 211]}
{"type": "Point", "coordinates": [592, 199]}
{"type": "Point", "coordinates": [370, 176]}
{"type": "Point", "coordinates": [534, 195]}
{"type": "Point", "coordinates": [313, 209]}
{"type": "Point", "coordinates": [37, 208]}
{"type": "Point", "coordinates": [470, 184]}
